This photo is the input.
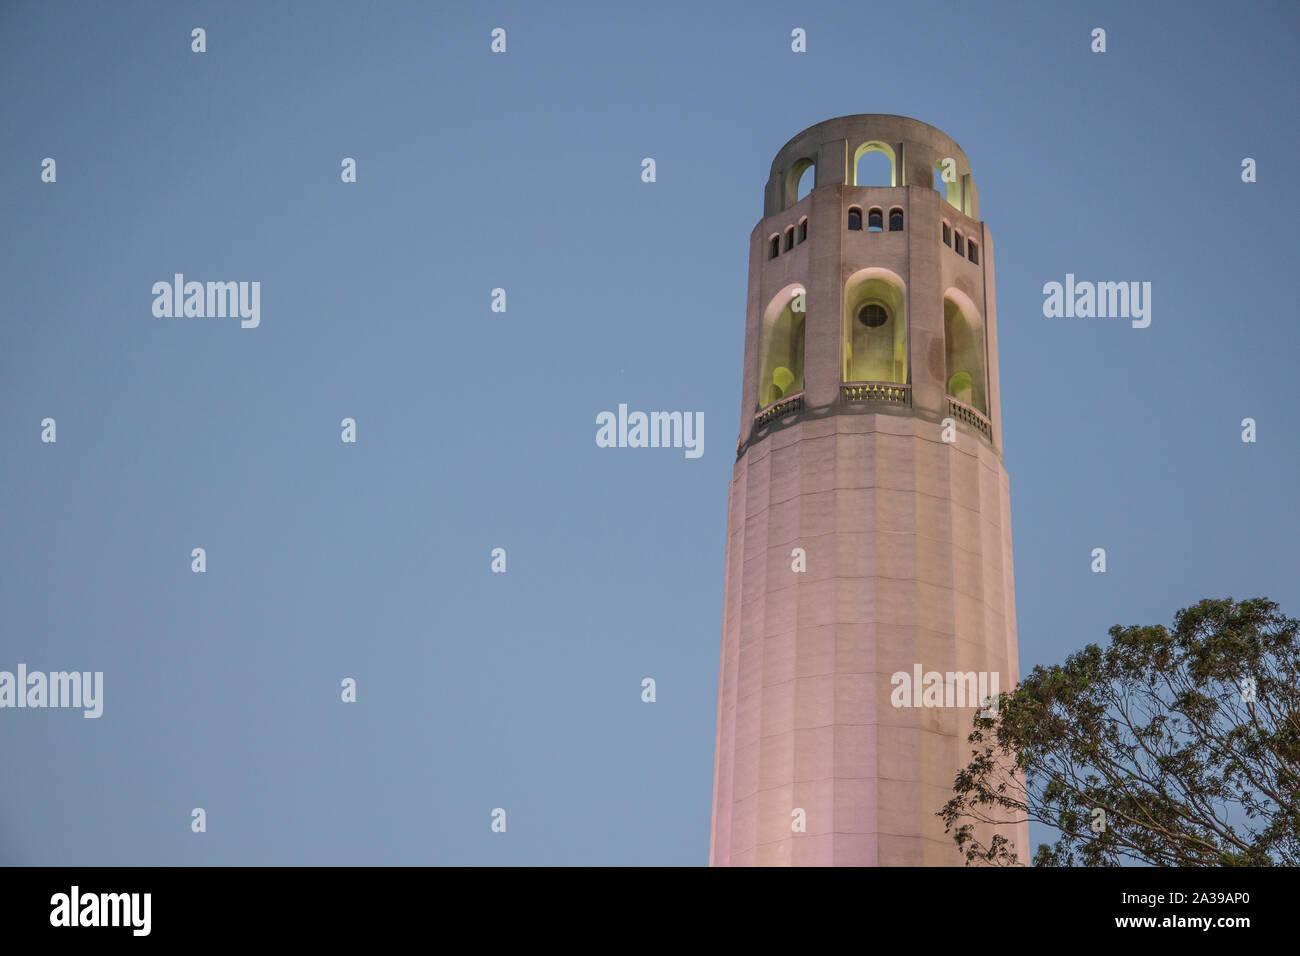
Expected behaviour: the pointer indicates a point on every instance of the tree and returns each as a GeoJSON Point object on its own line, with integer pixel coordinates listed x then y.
{"type": "Point", "coordinates": [1186, 740]}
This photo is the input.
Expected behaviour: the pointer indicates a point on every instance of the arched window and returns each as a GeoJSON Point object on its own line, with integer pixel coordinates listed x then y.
{"type": "Point", "coordinates": [950, 191]}
{"type": "Point", "coordinates": [789, 239]}
{"type": "Point", "coordinates": [803, 228]}
{"type": "Point", "coordinates": [895, 220]}
{"type": "Point", "coordinates": [799, 181]}
{"type": "Point", "coordinates": [855, 219]}
{"type": "Point", "coordinates": [875, 327]}
{"type": "Point", "coordinates": [957, 244]}
{"type": "Point", "coordinates": [964, 350]}
{"type": "Point", "coordinates": [806, 182]}
{"type": "Point", "coordinates": [875, 219]}
{"type": "Point", "coordinates": [873, 165]}
{"type": "Point", "coordinates": [947, 234]}
{"type": "Point", "coordinates": [972, 251]}
{"type": "Point", "coordinates": [782, 355]}
{"type": "Point", "coordinates": [774, 247]}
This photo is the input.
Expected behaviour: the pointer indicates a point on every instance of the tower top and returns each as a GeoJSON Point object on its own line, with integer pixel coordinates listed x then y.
{"type": "Point", "coordinates": [834, 146]}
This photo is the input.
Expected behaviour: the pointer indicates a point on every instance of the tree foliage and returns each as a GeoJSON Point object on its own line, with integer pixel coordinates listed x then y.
{"type": "Point", "coordinates": [1187, 740]}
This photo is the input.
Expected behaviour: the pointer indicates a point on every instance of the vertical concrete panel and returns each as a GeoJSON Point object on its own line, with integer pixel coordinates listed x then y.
{"type": "Point", "coordinates": [833, 163]}
{"type": "Point", "coordinates": [991, 337]}
{"type": "Point", "coordinates": [925, 300]}
{"type": "Point", "coordinates": [823, 360]}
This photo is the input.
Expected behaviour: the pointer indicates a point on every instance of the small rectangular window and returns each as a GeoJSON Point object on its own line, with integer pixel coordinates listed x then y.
{"type": "Point", "coordinates": [774, 247]}
{"type": "Point", "coordinates": [947, 235]}
{"type": "Point", "coordinates": [803, 230]}
{"type": "Point", "coordinates": [957, 244]}
{"type": "Point", "coordinates": [973, 252]}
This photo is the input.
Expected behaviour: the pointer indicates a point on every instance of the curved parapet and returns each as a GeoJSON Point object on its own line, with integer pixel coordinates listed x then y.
{"type": "Point", "coordinates": [835, 147]}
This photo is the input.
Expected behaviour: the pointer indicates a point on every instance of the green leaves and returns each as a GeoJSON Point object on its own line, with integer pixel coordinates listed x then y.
{"type": "Point", "coordinates": [1188, 741]}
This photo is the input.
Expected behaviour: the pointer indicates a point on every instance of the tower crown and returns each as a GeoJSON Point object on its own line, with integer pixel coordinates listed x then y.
{"type": "Point", "coordinates": [871, 299]}
{"type": "Point", "coordinates": [835, 148]}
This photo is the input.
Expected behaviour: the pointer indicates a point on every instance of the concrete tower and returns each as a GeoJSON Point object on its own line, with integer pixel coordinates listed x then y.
{"type": "Point", "coordinates": [870, 337]}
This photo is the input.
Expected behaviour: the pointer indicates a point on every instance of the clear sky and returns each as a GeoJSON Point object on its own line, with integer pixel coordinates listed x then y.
{"type": "Point", "coordinates": [475, 429]}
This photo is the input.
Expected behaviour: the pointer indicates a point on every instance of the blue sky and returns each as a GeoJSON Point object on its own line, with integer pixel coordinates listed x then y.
{"type": "Point", "coordinates": [476, 429]}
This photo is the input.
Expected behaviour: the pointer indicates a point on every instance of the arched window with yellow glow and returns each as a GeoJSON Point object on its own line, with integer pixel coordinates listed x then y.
{"type": "Point", "coordinates": [963, 333]}
{"type": "Point", "coordinates": [875, 327]}
{"type": "Point", "coordinates": [781, 359]}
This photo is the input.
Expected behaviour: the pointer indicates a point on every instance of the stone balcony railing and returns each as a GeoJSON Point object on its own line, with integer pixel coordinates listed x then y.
{"type": "Point", "coordinates": [782, 406]}
{"type": "Point", "coordinates": [887, 392]}
{"type": "Point", "coordinates": [963, 412]}
{"type": "Point", "coordinates": [892, 392]}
